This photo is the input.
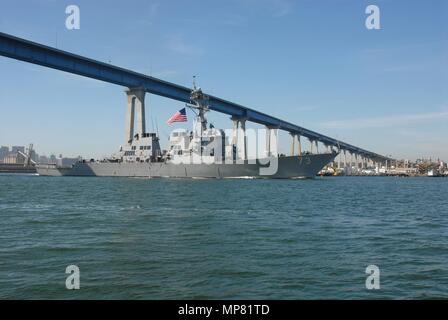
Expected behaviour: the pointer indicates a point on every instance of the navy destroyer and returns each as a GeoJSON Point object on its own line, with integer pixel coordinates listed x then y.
{"type": "Point", "coordinates": [203, 152]}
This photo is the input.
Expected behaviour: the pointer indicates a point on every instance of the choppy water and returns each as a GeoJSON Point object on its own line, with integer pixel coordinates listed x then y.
{"type": "Point", "coordinates": [216, 239]}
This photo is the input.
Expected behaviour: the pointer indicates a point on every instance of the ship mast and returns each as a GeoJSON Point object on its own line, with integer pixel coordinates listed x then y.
{"type": "Point", "coordinates": [200, 103]}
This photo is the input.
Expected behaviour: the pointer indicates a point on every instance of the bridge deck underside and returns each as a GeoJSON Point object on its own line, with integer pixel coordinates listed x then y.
{"type": "Point", "coordinates": [35, 53]}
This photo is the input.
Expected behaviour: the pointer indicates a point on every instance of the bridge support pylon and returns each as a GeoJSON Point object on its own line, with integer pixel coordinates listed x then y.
{"type": "Point", "coordinates": [296, 141]}
{"type": "Point", "coordinates": [136, 103]}
{"type": "Point", "coordinates": [271, 141]}
{"type": "Point", "coordinates": [239, 139]}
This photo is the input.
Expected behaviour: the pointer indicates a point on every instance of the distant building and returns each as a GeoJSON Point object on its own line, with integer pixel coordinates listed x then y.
{"type": "Point", "coordinates": [17, 155]}
{"type": "Point", "coordinates": [14, 158]}
{"type": "Point", "coordinates": [4, 151]}
{"type": "Point", "coordinates": [44, 160]}
{"type": "Point", "coordinates": [53, 159]}
{"type": "Point", "coordinates": [16, 149]}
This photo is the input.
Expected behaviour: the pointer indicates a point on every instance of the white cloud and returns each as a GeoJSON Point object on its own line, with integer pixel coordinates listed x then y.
{"type": "Point", "coordinates": [164, 73]}
{"type": "Point", "coordinates": [385, 121]}
{"type": "Point", "coordinates": [305, 108]}
{"type": "Point", "coordinates": [178, 45]}
{"type": "Point", "coordinates": [149, 15]}
{"type": "Point", "coordinates": [234, 20]}
{"type": "Point", "coordinates": [278, 8]}
{"type": "Point", "coordinates": [281, 7]}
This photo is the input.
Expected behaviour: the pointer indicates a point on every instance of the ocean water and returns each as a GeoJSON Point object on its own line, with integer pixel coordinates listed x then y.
{"type": "Point", "coordinates": [223, 239]}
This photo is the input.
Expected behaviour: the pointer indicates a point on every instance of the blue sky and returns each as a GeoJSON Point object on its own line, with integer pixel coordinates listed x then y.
{"type": "Point", "coordinates": [309, 62]}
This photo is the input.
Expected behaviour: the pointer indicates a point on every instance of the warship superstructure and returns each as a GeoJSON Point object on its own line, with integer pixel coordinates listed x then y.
{"type": "Point", "coordinates": [203, 152]}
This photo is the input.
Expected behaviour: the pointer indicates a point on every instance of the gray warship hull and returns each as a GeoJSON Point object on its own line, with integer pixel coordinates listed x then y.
{"type": "Point", "coordinates": [305, 166]}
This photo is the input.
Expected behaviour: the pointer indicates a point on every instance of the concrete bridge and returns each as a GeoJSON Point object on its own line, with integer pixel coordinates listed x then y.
{"type": "Point", "coordinates": [139, 84]}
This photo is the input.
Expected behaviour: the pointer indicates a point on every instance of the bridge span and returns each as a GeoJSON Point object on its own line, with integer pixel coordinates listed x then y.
{"type": "Point", "coordinates": [138, 84]}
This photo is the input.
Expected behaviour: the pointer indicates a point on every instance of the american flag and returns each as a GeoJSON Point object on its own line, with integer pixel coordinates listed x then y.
{"type": "Point", "coordinates": [179, 116]}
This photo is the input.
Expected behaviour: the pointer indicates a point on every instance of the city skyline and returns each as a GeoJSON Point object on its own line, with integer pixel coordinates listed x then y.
{"type": "Point", "coordinates": [53, 157]}
{"type": "Point", "coordinates": [312, 64]}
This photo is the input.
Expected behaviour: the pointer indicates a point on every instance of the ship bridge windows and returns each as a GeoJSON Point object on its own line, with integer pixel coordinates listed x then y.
{"type": "Point", "coordinates": [207, 141]}
{"type": "Point", "coordinates": [129, 153]}
{"type": "Point", "coordinates": [178, 133]}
